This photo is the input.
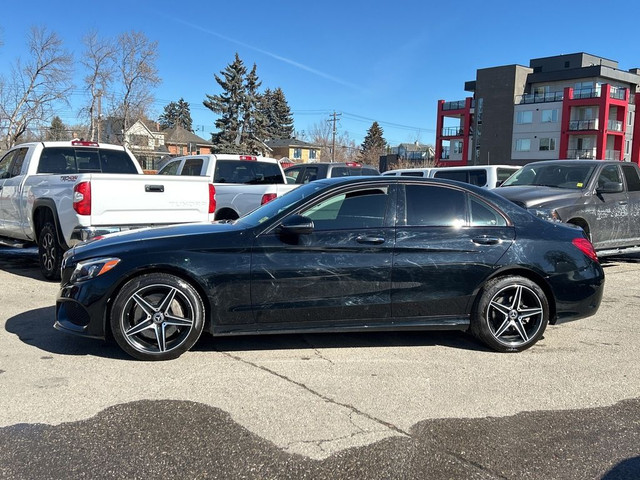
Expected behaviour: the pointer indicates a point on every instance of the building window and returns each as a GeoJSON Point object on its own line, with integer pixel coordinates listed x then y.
{"type": "Point", "coordinates": [525, 116]}
{"type": "Point", "coordinates": [457, 147]}
{"type": "Point", "coordinates": [297, 153]}
{"type": "Point", "coordinates": [523, 144]}
{"type": "Point", "coordinates": [312, 154]}
{"type": "Point", "coordinates": [547, 144]}
{"type": "Point", "coordinates": [550, 116]}
{"type": "Point", "coordinates": [630, 120]}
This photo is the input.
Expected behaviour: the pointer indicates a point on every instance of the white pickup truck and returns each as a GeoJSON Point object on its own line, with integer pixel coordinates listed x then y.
{"type": "Point", "coordinates": [242, 182]}
{"type": "Point", "coordinates": [56, 194]}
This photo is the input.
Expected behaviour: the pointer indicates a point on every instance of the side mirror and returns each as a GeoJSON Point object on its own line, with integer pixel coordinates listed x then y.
{"type": "Point", "coordinates": [296, 225]}
{"type": "Point", "coordinates": [610, 187]}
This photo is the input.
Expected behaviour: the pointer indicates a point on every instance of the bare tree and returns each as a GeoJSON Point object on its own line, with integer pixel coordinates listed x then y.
{"type": "Point", "coordinates": [321, 134]}
{"type": "Point", "coordinates": [99, 60]}
{"type": "Point", "coordinates": [28, 98]}
{"type": "Point", "coordinates": [136, 64]}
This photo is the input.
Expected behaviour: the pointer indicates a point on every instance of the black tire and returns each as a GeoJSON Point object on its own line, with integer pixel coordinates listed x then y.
{"type": "Point", "coordinates": [50, 252]}
{"type": "Point", "coordinates": [157, 316]}
{"type": "Point", "coordinates": [511, 314]}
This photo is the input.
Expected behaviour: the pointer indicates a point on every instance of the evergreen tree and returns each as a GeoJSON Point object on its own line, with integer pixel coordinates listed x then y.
{"type": "Point", "coordinates": [254, 124]}
{"type": "Point", "coordinates": [373, 146]}
{"type": "Point", "coordinates": [57, 130]}
{"type": "Point", "coordinates": [229, 106]}
{"type": "Point", "coordinates": [176, 114]}
{"type": "Point", "coordinates": [283, 120]}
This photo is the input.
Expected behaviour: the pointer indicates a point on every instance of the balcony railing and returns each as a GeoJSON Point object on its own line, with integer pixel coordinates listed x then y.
{"type": "Point", "coordinates": [583, 124]}
{"type": "Point", "coordinates": [452, 132]}
{"type": "Point", "coordinates": [614, 125]}
{"type": "Point", "coordinates": [612, 155]}
{"type": "Point", "coordinates": [584, 154]}
{"type": "Point", "coordinates": [540, 97]}
{"type": "Point", "coordinates": [586, 93]}
{"type": "Point", "coordinates": [457, 105]}
{"type": "Point", "coordinates": [617, 93]}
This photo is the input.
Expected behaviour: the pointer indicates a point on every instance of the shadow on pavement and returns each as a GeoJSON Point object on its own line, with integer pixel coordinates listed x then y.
{"type": "Point", "coordinates": [35, 328]}
{"type": "Point", "coordinates": [21, 261]}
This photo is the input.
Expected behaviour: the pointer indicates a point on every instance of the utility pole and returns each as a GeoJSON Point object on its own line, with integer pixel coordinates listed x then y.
{"type": "Point", "coordinates": [333, 135]}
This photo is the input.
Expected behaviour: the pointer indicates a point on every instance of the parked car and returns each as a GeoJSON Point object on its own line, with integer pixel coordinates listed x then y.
{"type": "Point", "coordinates": [242, 182]}
{"type": "Point", "coordinates": [603, 198]}
{"type": "Point", "coordinates": [308, 172]}
{"type": "Point", "coordinates": [348, 254]}
{"type": "Point", "coordinates": [488, 176]}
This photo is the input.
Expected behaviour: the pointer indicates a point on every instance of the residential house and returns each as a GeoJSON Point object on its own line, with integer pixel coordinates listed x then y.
{"type": "Point", "coordinates": [180, 141]}
{"type": "Point", "coordinates": [294, 150]}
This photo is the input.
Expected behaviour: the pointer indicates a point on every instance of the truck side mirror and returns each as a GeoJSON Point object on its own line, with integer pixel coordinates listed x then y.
{"type": "Point", "coordinates": [610, 187]}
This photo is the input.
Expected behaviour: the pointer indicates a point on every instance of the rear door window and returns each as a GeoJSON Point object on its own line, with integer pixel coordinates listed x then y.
{"type": "Point", "coordinates": [434, 206]}
{"type": "Point", "coordinates": [631, 176]}
{"type": "Point", "coordinates": [460, 176]}
{"type": "Point", "coordinates": [341, 172]}
{"type": "Point", "coordinates": [478, 177]}
{"type": "Point", "coordinates": [192, 167]}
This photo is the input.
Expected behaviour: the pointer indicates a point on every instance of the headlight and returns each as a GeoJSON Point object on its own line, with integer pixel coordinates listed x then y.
{"type": "Point", "coordinates": [93, 268]}
{"type": "Point", "coordinates": [548, 214]}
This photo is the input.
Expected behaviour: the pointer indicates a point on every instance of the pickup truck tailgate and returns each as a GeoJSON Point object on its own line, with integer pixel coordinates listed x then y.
{"type": "Point", "coordinates": [148, 199]}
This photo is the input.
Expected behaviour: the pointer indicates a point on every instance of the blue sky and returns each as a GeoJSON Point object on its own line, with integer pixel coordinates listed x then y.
{"type": "Point", "coordinates": [384, 61]}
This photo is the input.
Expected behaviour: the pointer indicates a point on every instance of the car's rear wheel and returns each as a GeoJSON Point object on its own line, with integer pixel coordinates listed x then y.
{"type": "Point", "coordinates": [511, 314]}
{"type": "Point", "coordinates": [157, 316]}
{"type": "Point", "coordinates": [50, 252]}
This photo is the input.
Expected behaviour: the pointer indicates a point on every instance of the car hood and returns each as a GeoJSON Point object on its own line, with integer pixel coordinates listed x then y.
{"type": "Point", "coordinates": [143, 238]}
{"type": "Point", "coordinates": [536, 195]}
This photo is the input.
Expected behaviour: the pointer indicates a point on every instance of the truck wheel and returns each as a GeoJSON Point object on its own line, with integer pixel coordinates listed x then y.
{"type": "Point", "coordinates": [157, 316]}
{"type": "Point", "coordinates": [50, 252]}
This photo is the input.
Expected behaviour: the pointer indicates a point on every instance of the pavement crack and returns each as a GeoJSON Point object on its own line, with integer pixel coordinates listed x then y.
{"type": "Point", "coordinates": [325, 398]}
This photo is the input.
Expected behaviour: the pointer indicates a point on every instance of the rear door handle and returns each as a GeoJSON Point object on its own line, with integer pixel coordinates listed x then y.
{"type": "Point", "coordinates": [154, 188]}
{"type": "Point", "coordinates": [368, 239]}
{"type": "Point", "coordinates": [486, 240]}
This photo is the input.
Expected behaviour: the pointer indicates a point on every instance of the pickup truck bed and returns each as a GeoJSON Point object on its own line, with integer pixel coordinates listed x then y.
{"type": "Point", "coordinates": [55, 194]}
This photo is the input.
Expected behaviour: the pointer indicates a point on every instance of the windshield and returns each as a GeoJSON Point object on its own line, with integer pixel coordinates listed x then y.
{"type": "Point", "coordinates": [572, 176]}
{"type": "Point", "coordinates": [274, 207]}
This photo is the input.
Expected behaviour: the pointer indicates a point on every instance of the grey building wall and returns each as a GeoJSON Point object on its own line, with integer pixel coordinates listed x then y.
{"type": "Point", "coordinates": [496, 89]}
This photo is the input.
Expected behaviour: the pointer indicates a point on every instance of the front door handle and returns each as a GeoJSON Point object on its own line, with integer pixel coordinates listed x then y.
{"type": "Point", "coordinates": [368, 239]}
{"type": "Point", "coordinates": [486, 240]}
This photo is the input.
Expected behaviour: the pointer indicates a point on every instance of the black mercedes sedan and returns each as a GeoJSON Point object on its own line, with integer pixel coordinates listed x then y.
{"type": "Point", "coordinates": [336, 255]}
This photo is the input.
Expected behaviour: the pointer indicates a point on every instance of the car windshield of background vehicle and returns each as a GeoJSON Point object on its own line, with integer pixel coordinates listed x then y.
{"type": "Point", "coordinates": [560, 176]}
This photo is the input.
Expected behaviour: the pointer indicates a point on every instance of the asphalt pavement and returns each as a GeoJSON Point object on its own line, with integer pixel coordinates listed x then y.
{"type": "Point", "coordinates": [366, 406]}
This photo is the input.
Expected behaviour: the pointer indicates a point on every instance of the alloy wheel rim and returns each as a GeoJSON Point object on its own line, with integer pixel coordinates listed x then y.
{"type": "Point", "coordinates": [48, 253]}
{"type": "Point", "coordinates": [157, 319]}
{"type": "Point", "coordinates": [515, 315]}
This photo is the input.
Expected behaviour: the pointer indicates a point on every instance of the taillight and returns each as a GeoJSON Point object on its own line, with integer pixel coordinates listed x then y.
{"type": "Point", "coordinates": [212, 198]}
{"type": "Point", "coordinates": [267, 197]}
{"type": "Point", "coordinates": [82, 198]}
{"type": "Point", "coordinates": [248, 157]}
{"type": "Point", "coordinates": [84, 143]}
{"type": "Point", "coordinates": [585, 247]}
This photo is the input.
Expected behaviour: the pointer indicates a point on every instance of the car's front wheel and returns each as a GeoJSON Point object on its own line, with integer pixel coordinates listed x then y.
{"type": "Point", "coordinates": [157, 316]}
{"type": "Point", "coordinates": [511, 314]}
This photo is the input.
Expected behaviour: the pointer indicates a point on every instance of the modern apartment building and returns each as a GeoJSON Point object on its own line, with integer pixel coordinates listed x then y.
{"type": "Point", "coordinates": [567, 106]}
